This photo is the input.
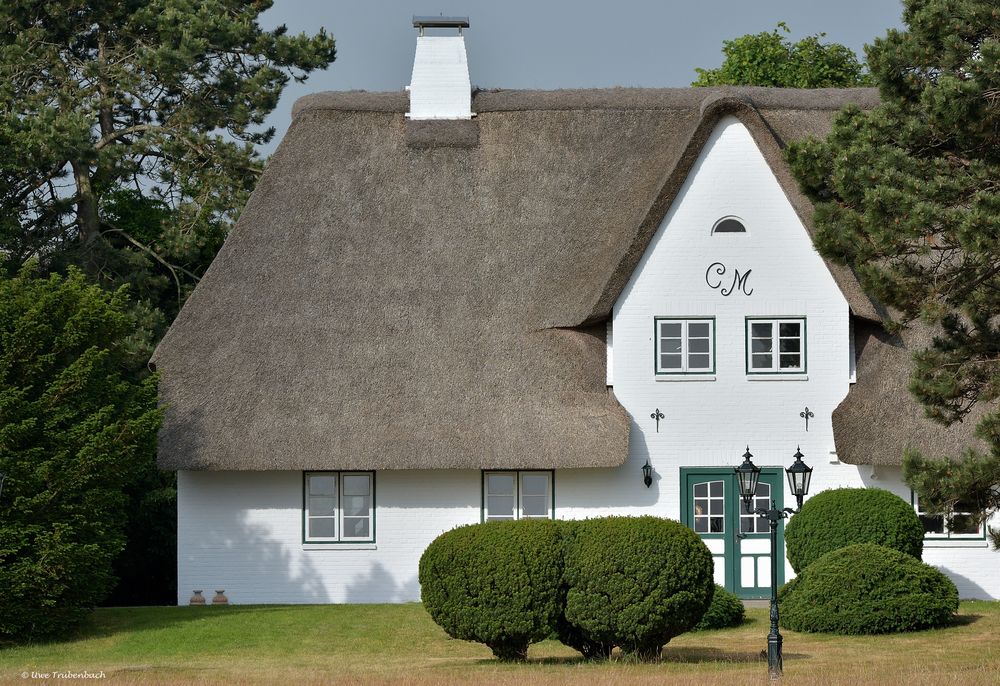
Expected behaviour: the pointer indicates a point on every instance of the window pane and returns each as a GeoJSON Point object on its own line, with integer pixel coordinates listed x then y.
{"type": "Point", "coordinates": [790, 361]}
{"type": "Point", "coordinates": [534, 506]}
{"type": "Point", "coordinates": [324, 527]}
{"type": "Point", "coordinates": [534, 484]}
{"type": "Point", "coordinates": [761, 361]}
{"type": "Point", "coordinates": [698, 329]}
{"type": "Point", "coordinates": [356, 527]}
{"type": "Point", "coordinates": [500, 506]}
{"type": "Point", "coordinates": [760, 345]}
{"type": "Point", "coordinates": [670, 345]}
{"type": "Point", "coordinates": [670, 361]}
{"type": "Point", "coordinates": [717, 525]}
{"type": "Point", "coordinates": [500, 484]}
{"type": "Point", "coordinates": [701, 490]}
{"type": "Point", "coordinates": [699, 362]}
{"type": "Point", "coordinates": [790, 345]}
{"type": "Point", "coordinates": [789, 329]}
{"type": "Point", "coordinates": [760, 330]}
{"type": "Point", "coordinates": [717, 489]}
{"type": "Point", "coordinates": [715, 507]}
{"type": "Point", "coordinates": [322, 484]}
{"type": "Point", "coordinates": [964, 524]}
{"type": "Point", "coordinates": [357, 484]}
{"type": "Point", "coordinates": [698, 345]}
{"type": "Point", "coordinates": [356, 504]}
{"type": "Point", "coordinates": [933, 524]}
{"type": "Point", "coordinates": [701, 525]}
{"type": "Point", "coordinates": [746, 525]}
{"type": "Point", "coordinates": [322, 505]}
{"type": "Point", "coordinates": [671, 329]}
{"type": "Point", "coordinates": [700, 506]}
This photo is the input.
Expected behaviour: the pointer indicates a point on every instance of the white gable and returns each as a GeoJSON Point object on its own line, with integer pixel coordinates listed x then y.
{"type": "Point", "coordinates": [440, 87]}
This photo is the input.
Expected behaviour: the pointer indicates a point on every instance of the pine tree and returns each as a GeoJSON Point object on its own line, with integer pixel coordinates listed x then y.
{"type": "Point", "coordinates": [908, 195]}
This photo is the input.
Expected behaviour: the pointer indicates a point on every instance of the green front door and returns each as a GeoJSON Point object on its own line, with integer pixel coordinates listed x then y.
{"type": "Point", "coordinates": [739, 541]}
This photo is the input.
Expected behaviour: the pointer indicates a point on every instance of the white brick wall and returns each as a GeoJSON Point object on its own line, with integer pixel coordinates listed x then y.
{"type": "Point", "coordinates": [241, 531]}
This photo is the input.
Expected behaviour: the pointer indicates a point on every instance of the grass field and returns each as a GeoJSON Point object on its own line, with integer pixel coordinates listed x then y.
{"type": "Point", "coordinates": [374, 644]}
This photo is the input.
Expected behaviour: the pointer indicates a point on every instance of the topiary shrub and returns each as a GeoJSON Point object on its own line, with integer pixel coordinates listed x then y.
{"type": "Point", "coordinates": [566, 632]}
{"type": "Point", "coordinates": [845, 516]}
{"type": "Point", "coordinates": [725, 611]}
{"type": "Point", "coordinates": [635, 582]}
{"type": "Point", "coordinates": [867, 589]}
{"type": "Point", "coordinates": [496, 583]}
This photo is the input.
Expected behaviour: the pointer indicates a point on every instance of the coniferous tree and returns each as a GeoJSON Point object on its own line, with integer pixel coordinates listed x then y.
{"type": "Point", "coordinates": [908, 195]}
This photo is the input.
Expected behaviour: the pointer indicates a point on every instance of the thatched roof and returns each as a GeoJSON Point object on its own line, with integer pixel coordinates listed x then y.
{"type": "Point", "coordinates": [430, 294]}
{"type": "Point", "coordinates": [879, 419]}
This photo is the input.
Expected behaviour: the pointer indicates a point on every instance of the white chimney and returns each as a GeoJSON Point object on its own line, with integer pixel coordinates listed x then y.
{"type": "Point", "coordinates": [440, 87]}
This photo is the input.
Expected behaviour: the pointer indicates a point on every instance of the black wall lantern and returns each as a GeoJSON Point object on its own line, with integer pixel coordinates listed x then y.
{"type": "Point", "coordinates": [799, 475]}
{"type": "Point", "coordinates": [647, 474]}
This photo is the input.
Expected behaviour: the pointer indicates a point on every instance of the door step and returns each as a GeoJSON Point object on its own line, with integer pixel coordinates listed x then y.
{"type": "Point", "coordinates": [756, 603]}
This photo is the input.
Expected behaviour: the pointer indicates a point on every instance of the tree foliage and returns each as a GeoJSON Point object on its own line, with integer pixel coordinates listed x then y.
{"type": "Point", "coordinates": [907, 195]}
{"type": "Point", "coordinates": [75, 431]}
{"type": "Point", "coordinates": [128, 131]}
{"type": "Point", "coordinates": [770, 59]}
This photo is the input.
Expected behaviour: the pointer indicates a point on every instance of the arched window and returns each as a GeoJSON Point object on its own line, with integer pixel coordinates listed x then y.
{"type": "Point", "coordinates": [729, 225]}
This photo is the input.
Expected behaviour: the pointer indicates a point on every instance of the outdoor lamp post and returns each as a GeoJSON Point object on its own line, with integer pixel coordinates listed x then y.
{"type": "Point", "coordinates": [799, 475]}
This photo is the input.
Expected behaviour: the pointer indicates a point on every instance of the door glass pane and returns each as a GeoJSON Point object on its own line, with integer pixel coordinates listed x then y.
{"type": "Point", "coordinates": [716, 489]}
{"type": "Point", "coordinates": [701, 525]}
{"type": "Point", "coordinates": [701, 490]}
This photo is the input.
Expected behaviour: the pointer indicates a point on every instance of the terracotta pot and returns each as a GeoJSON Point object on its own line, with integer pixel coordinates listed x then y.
{"type": "Point", "coordinates": [197, 599]}
{"type": "Point", "coordinates": [220, 598]}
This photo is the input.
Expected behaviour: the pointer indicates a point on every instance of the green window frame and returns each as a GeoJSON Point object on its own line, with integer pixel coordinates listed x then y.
{"type": "Point", "coordinates": [519, 492]}
{"type": "Point", "coordinates": [936, 525]}
{"type": "Point", "coordinates": [683, 345]}
{"type": "Point", "coordinates": [774, 340]}
{"type": "Point", "coordinates": [338, 507]}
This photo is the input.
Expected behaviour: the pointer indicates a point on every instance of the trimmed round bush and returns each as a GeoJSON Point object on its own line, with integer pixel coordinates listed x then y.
{"type": "Point", "coordinates": [867, 589]}
{"type": "Point", "coordinates": [568, 633]}
{"type": "Point", "coordinates": [496, 583]}
{"type": "Point", "coordinates": [846, 516]}
{"type": "Point", "coordinates": [635, 582]}
{"type": "Point", "coordinates": [725, 611]}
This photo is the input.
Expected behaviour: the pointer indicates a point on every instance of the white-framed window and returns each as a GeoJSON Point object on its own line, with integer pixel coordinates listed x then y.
{"type": "Point", "coordinates": [338, 507]}
{"type": "Point", "coordinates": [685, 346]}
{"type": "Point", "coordinates": [776, 346]}
{"type": "Point", "coordinates": [963, 524]}
{"type": "Point", "coordinates": [517, 495]}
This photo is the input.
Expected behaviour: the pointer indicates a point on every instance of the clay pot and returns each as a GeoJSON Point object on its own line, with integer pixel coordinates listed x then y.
{"type": "Point", "coordinates": [220, 598]}
{"type": "Point", "coordinates": [197, 599]}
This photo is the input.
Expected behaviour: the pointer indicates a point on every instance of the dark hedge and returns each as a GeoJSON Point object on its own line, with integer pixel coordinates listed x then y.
{"type": "Point", "coordinates": [846, 516]}
{"type": "Point", "coordinates": [867, 589]}
{"type": "Point", "coordinates": [725, 611]}
{"type": "Point", "coordinates": [496, 583]}
{"type": "Point", "coordinates": [635, 582]}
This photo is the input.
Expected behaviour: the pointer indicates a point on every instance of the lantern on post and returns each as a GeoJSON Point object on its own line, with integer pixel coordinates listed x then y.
{"type": "Point", "coordinates": [747, 474]}
{"type": "Point", "coordinates": [799, 476]}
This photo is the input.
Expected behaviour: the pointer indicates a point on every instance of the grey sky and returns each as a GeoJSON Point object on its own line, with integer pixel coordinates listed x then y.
{"type": "Point", "coordinates": [522, 44]}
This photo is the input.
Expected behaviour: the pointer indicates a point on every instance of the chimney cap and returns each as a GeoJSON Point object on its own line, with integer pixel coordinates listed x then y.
{"type": "Point", "coordinates": [440, 22]}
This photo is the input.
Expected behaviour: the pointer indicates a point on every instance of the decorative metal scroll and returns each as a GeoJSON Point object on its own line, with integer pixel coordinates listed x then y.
{"type": "Point", "coordinates": [715, 277]}
{"type": "Point", "coordinates": [806, 414]}
{"type": "Point", "coordinates": [657, 416]}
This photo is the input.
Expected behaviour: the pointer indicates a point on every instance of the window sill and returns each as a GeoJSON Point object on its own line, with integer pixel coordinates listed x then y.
{"type": "Point", "coordinates": [339, 546]}
{"type": "Point", "coordinates": [685, 377]}
{"type": "Point", "coordinates": [955, 543]}
{"type": "Point", "coordinates": [777, 377]}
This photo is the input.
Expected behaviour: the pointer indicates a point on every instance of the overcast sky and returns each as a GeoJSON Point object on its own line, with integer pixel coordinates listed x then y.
{"type": "Point", "coordinates": [541, 44]}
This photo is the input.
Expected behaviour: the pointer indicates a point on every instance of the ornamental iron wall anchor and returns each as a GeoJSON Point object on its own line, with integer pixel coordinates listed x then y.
{"type": "Point", "coordinates": [806, 414]}
{"type": "Point", "coordinates": [657, 416]}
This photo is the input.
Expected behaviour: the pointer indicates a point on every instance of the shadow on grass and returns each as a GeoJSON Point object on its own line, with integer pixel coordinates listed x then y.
{"type": "Point", "coordinates": [698, 654]}
{"type": "Point", "coordinates": [964, 620]}
{"type": "Point", "coordinates": [105, 622]}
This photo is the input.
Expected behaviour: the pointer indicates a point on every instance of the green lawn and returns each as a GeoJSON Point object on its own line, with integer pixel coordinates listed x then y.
{"type": "Point", "coordinates": [366, 644]}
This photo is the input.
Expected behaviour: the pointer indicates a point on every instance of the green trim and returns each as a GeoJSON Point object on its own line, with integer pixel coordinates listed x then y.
{"type": "Point", "coordinates": [769, 475]}
{"type": "Point", "coordinates": [339, 473]}
{"type": "Point", "coordinates": [517, 490]}
{"type": "Point", "coordinates": [805, 344]}
{"type": "Point", "coordinates": [656, 345]}
{"type": "Point", "coordinates": [981, 536]}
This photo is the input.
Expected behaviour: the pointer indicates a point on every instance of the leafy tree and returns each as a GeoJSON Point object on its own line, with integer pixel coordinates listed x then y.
{"type": "Point", "coordinates": [127, 134]}
{"type": "Point", "coordinates": [75, 429]}
{"type": "Point", "coordinates": [128, 130]}
{"type": "Point", "coordinates": [907, 195]}
{"type": "Point", "coordinates": [769, 59]}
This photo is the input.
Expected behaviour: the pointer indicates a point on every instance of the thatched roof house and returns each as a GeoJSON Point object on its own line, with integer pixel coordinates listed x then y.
{"type": "Point", "coordinates": [411, 294]}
